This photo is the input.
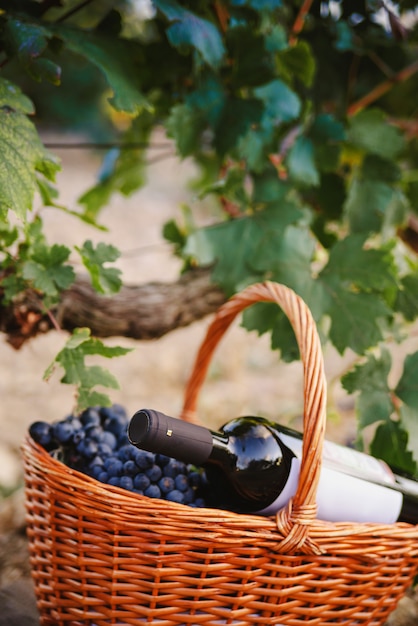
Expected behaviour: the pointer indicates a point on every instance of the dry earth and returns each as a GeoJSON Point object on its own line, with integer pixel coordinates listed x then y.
{"type": "Point", "coordinates": [245, 377]}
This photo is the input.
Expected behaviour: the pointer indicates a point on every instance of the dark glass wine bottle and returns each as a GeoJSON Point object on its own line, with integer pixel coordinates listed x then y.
{"type": "Point", "coordinates": [252, 466]}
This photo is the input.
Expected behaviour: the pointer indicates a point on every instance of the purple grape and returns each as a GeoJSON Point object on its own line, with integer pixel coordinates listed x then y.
{"type": "Point", "coordinates": [181, 482]}
{"type": "Point", "coordinates": [154, 473]}
{"type": "Point", "coordinates": [114, 467]}
{"type": "Point", "coordinates": [175, 496]}
{"type": "Point", "coordinates": [166, 484]}
{"type": "Point", "coordinates": [41, 432]}
{"type": "Point", "coordinates": [173, 468]}
{"type": "Point", "coordinates": [142, 482]}
{"type": "Point", "coordinates": [62, 432]}
{"type": "Point", "coordinates": [96, 443]}
{"type": "Point", "coordinates": [126, 482]}
{"type": "Point", "coordinates": [90, 417]}
{"type": "Point", "coordinates": [103, 477]}
{"type": "Point", "coordinates": [153, 491]}
{"type": "Point", "coordinates": [109, 439]}
{"type": "Point", "coordinates": [130, 468]}
{"type": "Point", "coordinates": [144, 459]}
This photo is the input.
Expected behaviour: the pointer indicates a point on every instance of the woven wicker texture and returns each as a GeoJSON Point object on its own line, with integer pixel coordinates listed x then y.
{"type": "Point", "coordinates": [102, 555]}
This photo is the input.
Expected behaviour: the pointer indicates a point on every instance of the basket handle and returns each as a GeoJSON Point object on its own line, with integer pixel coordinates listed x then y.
{"type": "Point", "coordinates": [294, 521]}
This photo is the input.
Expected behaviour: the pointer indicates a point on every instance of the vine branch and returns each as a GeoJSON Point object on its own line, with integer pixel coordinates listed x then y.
{"type": "Point", "coordinates": [382, 88]}
{"type": "Point", "coordinates": [140, 312]}
{"type": "Point", "coordinates": [300, 20]}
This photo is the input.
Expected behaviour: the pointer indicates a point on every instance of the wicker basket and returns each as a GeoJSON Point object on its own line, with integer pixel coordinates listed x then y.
{"type": "Point", "coordinates": [102, 555]}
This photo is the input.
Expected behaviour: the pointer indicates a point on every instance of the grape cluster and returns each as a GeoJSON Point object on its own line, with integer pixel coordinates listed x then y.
{"type": "Point", "coordinates": [96, 443]}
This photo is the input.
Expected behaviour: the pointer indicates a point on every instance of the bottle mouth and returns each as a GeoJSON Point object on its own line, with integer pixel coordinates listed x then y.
{"type": "Point", "coordinates": [139, 426]}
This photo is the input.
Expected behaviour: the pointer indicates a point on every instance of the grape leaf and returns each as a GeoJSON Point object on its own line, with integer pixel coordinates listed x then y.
{"type": "Point", "coordinates": [407, 297]}
{"type": "Point", "coordinates": [11, 97]}
{"type": "Point", "coordinates": [238, 115]}
{"type": "Point", "coordinates": [185, 125]}
{"type": "Point", "coordinates": [372, 205]}
{"type": "Point", "coordinates": [104, 279]}
{"type": "Point", "coordinates": [23, 154]}
{"type": "Point", "coordinates": [123, 170]}
{"type": "Point", "coordinates": [188, 29]}
{"type": "Point", "coordinates": [297, 62]}
{"type": "Point", "coordinates": [407, 387]}
{"type": "Point", "coordinates": [281, 103]}
{"type": "Point", "coordinates": [370, 380]}
{"type": "Point", "coordinates": [76, 372]}
{"type": "Point", "coordinates": [265, 316]}
{"type": "Point", "coordinates": [351, 271]}
{"type": "Point", "coordinates": [247, 236]}
{"type": "Point", "coordinates": [366, 268]}
{"type": "Point", "coordinates": [409, 421]}
{"type": "Point", "coordinates": [301, 162]}
{"type": "Point", "coordinates": [47, 271]}
{"type": "Point", "coordinates": [113, 57]}
{"type": "Point", "coordinates": [370, 131]}
{"type": "Point", "coordinates": [355, 316]}
{"type": "Point", "coordinates": [328, 135]}
{"type": "Point", "coordinates": [390, 443]}
{"type": "Point", "coordinates": [28, 41]}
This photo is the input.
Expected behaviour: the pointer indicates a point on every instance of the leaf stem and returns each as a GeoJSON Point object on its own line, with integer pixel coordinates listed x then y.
{"type": "Point", "coordinates": [53, 320]}
{"type": "Point", "coordinates": [382, 88]}
{"type": "Point", "coordinates": [221, 14]}
{"type": "Point", "coordinates": [300, 20]}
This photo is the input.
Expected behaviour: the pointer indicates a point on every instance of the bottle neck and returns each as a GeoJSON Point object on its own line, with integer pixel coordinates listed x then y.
{"type": "Point", "coordinates": [156, 432]}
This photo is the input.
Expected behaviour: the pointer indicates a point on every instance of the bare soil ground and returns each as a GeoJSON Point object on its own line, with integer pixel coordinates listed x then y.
{"type": "Point", "coordinates": [245, 377]}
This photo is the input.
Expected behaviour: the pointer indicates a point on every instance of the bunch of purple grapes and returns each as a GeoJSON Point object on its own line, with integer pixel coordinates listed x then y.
{"type": "Point", "coordinates": [96, 443]}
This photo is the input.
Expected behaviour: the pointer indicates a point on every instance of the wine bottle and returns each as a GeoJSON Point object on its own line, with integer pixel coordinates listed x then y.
{"type": "Point", "coordinates": [252, 466]}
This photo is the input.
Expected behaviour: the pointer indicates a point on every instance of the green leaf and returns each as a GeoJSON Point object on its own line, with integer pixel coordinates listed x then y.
{"type": "Point", "coordinates": [265, 316]}
{"type": "Point", "coordinates": [281, 103]}
{"type": "Point", "coordinates": [373, 205]}
{"type": "Point", "coordinates": [327, 135]}
{"type": "Point", "coordinates": [238, 115]}
{"type": "Point", "coordinates": [301, 163]}
{"type": "Point", "coordinates": [370, 269]}
{"type": "Point", "coordinates": [188, 29]}
{"type": "Point", "coordinates": [122, 170]}
{"type": "Point", "coordinates": [371, 131]}
{"type": "Point", "coordinates": [255, 146]}
{"type": "Point", "coordinates": [370, 380]}
{"type": "Point", "coordinates": [355, 317]}
{"type": "Point", "coordinates": [22, 155]}
{"type": "Point", "coordinates": [407, 297]}
{"type": "Point", "coordinates": [28, 41]}
{"type": "Point", "coordinates": [390, 443]}
{"type": "Point", "coordinates": [104, 279]}
{"type": "Point", "coordinates": [297, 62]}
{"type": "Point", "coordinates": [231, 187]}
{"type": "Point", "coordinates": [76, 372]}
{"type": "Point", "coordinates": [288, 259]}
{"type": "Point", "coordinates": [247, 236]}
{"type": "Point", "coordinates": [11, 97]}
{"type": "Point", "coordinates": [46, 270]}
{"type": "Point", "coordinates": [113, 57]}
{"type": "Point", "coordinates": [407, 387]}
{"type": "Point", "coordinates": [375, 167]}
{"type": "Point", "coordinates": [409, 421]}
{"type": "Point", "coordinates": [185, 125]}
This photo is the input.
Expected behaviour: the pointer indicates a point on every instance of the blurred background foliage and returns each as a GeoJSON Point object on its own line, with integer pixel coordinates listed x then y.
{"type": "Point", "coordinates": [302, 118]}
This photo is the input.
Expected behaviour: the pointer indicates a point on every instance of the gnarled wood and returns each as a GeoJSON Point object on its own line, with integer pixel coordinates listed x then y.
{"type": "Point", "coordinates": [140, 312]}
